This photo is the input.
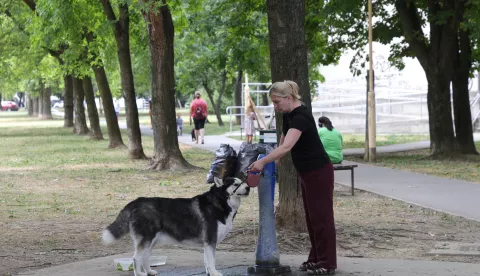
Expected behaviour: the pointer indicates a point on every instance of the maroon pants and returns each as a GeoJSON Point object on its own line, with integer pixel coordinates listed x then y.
{"type": "Point", "coordinates": [317, 192]}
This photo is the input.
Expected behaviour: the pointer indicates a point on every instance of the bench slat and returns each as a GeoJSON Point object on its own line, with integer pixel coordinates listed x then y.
{"type": "Point", "coordinates": [344, 167]}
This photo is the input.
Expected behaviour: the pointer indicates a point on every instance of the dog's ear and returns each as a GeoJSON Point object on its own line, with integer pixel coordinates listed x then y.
{"type": "Point", "coordinates": [218, 181]}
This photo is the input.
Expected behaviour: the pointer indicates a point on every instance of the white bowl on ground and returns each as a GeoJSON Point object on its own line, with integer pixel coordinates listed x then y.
{"type": "Point", "coordinates": [126, 264]}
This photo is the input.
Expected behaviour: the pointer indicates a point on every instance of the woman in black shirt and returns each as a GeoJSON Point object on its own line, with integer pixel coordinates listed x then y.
{"type": "Point", "coordinates": [300, 137]}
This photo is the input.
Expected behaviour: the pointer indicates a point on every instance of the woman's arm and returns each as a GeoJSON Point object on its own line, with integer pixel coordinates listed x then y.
{"type": "Point", "coordinates": [286, 144]}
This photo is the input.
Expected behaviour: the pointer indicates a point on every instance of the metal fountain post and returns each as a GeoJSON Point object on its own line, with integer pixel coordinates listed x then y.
{"type": "Point", "coordinates": [267, 256]}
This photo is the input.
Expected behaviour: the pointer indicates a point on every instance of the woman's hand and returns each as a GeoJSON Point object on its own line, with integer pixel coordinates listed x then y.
{"type": "Point", "coordinates": [257, 166]}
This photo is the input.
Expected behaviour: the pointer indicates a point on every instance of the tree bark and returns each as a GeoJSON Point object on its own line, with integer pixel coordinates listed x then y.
{"type": "Point", "coordinates": [122, 38]}
{"type": "Point", "coordinates": [167, 154]}
{"type": "Point", "coordinates": [264, 95]}
{"type": "Point", "coordinates": [29, 105]}
{"type": "Point", "coordinates": [437, 60]}
{"type": "Point", "coordinates": [68, 101]}
{"type": "Point", "coordinates": [80, 122]}
{"type": "Point", "coordinates": [41, 91]}
{"type": "Point", "coordinates": [461, 96]}
{"type": "Point", "coordinates": [238, 94]}
{"type": "Point", "coordinates": [106, 99]}
{"type": "Point", "coordinates": [46, 113]}
{"type": "Point", "coordinates": [218, 105]}
{"type": "Point", "coordinates": [35, 107]}
{"type": "Point", "coordinates": [288, 59]}
{"type": "Point", "coordinates": [440, 114]}
{"type": "Point", "coordinates": [114, 134]}
{"type": "Point", "coordinates": [96, 131]}
{"type": "Point", "coordinates": [214, 104]}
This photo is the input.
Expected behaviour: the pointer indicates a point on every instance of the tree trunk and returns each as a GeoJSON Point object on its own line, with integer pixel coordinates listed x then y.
{"type": "Point", "coordinates": [461, 97]}
{"type": "Point", "coordinates": [238, 94]}
{"type": "Point", "coordinates": [35, 107]}
{"type": "Point", "coordinates": [438, 61]}
{"type": "Point", "coordinates": [122, 38]}
{"type": "Point", "coordinates": [29, 105]}
{"type": "Point", "coordinates": [68, 101]}
{"type": "Point", "coordinates": [114, 134]}
{"type": "Point", "coordinates": [96, 131]}
{"type": "Point", "coordinates": [212, 100]}
{"type": "Point", "coordinates": [46, 104]}
{"type": "Point", "coordinates": [167, 154]}
{"type": "Point", "coordinates": [41, 91]}
{"type": "Point", "coordinates": [80, 123]}
{"type": "Point", "coordinates": [264, 95]}
{"type": "Point", "coordinates": [218, 105]}
{"type": "Point", "coordinates": [106, 99]}
{"type": "Point", "coordinates": [440, 114]}
{"type": "Point", "coordinates": [288, 61]}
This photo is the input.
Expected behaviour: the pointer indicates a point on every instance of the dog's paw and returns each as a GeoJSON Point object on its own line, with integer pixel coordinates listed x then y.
{"type": "Point", "coordinates": [152, 272]}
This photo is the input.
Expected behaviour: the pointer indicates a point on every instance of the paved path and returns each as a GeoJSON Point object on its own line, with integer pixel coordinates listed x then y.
{"type": "Point", "coordinates": [456, 197]}
{"type": "Point", "coordinates": [187, 262]}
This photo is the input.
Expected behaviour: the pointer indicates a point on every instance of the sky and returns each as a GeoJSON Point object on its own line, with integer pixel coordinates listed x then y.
{"type": "Point", "coordinates": [412, 75]}
{"type": "Point", "coordinates": [413, 72]}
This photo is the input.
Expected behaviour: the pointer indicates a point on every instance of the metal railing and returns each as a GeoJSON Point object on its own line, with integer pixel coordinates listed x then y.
{"type": "Point", "coordinates": [264, 111]}
{"type": "Point", "coordinates": [350, 99]}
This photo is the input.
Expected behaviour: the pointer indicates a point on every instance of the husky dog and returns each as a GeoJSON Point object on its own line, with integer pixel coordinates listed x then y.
{"type": "Point", "coordinates": [204, 220]}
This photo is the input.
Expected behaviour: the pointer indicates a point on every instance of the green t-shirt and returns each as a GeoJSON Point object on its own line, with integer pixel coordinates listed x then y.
{"type": "Point", "coordinates": [332, 142]}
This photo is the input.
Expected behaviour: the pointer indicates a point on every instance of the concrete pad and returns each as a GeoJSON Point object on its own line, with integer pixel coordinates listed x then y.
{"type": "Point", "coordinates": [185, 262]}
{"type": "Point", "coordinates": [456, 249]}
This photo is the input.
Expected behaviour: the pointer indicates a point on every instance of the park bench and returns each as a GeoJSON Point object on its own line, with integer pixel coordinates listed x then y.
{"type": "Point", "coordinates": [340, 167]}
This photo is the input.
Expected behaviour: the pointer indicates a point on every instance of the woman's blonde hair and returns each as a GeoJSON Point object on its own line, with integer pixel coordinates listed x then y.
{"type": "Point", "coordinates": [284, 89]}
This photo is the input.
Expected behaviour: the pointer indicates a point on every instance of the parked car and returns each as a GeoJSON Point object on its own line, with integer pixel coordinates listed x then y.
{"type": "Point", "coordinates": [9, 106]}
{"type": "Point", "coordinates": [53, 102]}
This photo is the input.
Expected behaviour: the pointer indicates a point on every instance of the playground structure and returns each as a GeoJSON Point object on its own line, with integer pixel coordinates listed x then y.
{"type": "Point", "coordinates": [397, 110]}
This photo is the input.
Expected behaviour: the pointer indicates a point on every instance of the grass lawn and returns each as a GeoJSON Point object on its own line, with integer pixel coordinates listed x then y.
{"type": "Point", "coordinates": [463, 167]}
{"type": "Point", "coordinates": [358, 140]}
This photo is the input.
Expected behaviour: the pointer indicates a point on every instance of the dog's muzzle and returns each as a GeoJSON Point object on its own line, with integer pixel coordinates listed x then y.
{"type": "Point", "coordinates": [247, 189]}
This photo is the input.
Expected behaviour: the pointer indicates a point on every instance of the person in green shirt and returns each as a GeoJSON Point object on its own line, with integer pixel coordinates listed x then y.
{"type": "Point", "coordinates": [332, 140]}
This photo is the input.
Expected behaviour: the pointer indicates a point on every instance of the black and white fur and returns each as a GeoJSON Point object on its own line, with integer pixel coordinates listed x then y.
{"type": "Point", "coordinates": [204, 220]}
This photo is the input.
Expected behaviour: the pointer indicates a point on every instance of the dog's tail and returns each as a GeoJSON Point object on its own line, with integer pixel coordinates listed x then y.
{"type": "Point", "coordinates": [119, 228]}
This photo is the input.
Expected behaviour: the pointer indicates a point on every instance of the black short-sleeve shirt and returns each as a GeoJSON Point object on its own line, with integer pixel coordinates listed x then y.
{"type": "Point", "coordinates": [308, 154]}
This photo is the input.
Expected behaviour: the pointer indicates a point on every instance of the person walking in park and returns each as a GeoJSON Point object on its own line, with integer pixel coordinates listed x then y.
{"type": "Point", "coordinates": [179, 125]}
{"type": "Point", "coordinates": [331, 139]}
{"type": "Point", "coordinates": [199, 113]}
{"type": "Point", "coordinates": [300, 137]}
{"type": "Point", "coordinates": [117, 109]}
